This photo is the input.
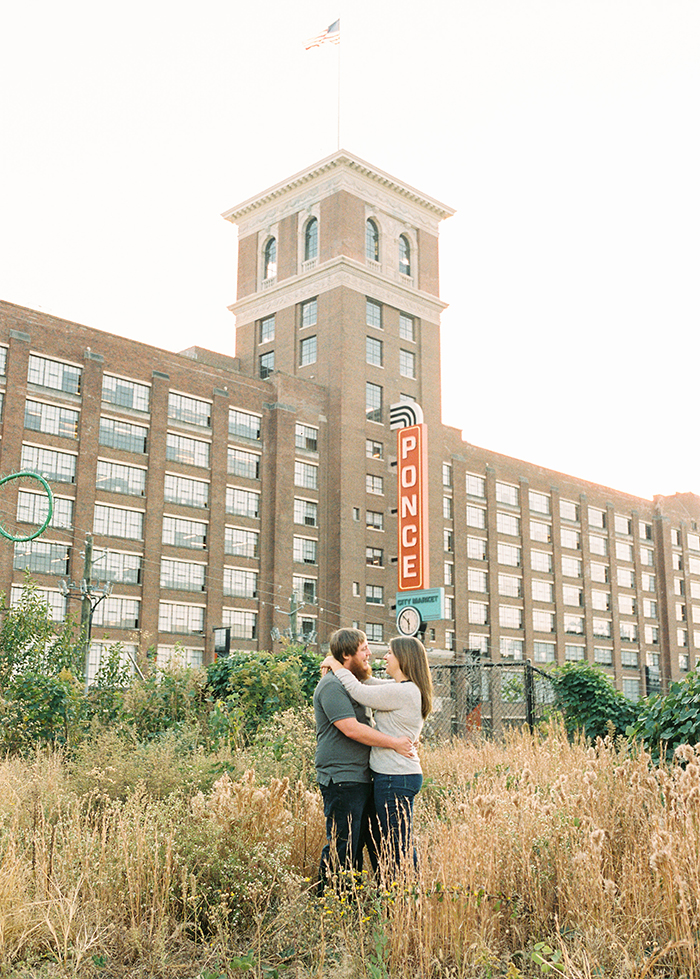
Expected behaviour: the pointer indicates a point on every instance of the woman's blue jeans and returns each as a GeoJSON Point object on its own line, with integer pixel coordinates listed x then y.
{"type": "Point", "coordinates": [393, 800]}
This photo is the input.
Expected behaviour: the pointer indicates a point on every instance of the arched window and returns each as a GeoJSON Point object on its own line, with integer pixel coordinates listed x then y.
{"type": "Point", "coordinates": [311, 240]}
{"type": "Point", "coordinates": [270, 260]}
{"type": "Point", "coordinates": [371, 241]}
{"type": "Point", "coordinates": [404, 255]}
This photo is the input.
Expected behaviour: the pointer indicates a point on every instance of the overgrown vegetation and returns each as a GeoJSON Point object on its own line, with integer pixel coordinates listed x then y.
{"type": "Point", "coordinates": [589, 702]}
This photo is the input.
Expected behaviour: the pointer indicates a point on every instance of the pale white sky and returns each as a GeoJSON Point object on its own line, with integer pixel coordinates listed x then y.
{"type": "Point", "coordinates": [565, 132]}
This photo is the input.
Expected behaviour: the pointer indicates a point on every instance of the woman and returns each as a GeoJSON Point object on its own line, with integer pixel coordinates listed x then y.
{"type": "Point", "coordinates": [400, 706]}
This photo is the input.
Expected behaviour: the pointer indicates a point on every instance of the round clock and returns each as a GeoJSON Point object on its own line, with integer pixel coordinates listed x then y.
{"type": "Point", "coordinates": [408, 621]}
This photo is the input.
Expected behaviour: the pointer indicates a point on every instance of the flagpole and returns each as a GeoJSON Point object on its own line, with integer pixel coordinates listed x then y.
{"type": "Point", "coordinates": [339, 47]}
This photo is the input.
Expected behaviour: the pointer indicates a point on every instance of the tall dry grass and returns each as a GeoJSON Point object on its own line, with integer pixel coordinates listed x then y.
{"type": "Point", "coordinates": [593, 851]}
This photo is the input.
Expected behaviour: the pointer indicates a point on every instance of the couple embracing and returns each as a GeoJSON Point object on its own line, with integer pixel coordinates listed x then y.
{"type": "Point", "coordinates": [369, 773]}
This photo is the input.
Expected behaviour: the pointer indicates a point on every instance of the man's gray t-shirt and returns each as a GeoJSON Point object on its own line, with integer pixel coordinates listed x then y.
{"type": "Point", "coordinates": [338, 757]}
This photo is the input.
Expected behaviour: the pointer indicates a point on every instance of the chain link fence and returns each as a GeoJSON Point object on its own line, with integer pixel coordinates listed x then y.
{"type": "Point", "coordinates": [483, 698]}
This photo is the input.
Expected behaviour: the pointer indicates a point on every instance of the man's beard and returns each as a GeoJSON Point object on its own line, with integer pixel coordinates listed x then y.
{"type": "Point", "coordinates": [361, 670]}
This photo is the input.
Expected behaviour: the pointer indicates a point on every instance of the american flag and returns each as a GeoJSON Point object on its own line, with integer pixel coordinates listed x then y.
{"type": "Point", "coordinates": [331, 35]}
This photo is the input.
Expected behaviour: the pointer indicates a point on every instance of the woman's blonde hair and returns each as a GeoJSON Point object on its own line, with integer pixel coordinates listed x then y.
{"type": "Point", "coordinates": [413, 663]}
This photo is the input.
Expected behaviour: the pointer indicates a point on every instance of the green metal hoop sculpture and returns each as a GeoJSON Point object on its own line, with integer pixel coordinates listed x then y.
{"type": "Point", "coordinates": [40, 479]}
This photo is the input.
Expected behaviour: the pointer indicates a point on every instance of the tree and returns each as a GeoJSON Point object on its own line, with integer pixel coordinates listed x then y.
{"type": "Point", "coordinates": [589, 702]}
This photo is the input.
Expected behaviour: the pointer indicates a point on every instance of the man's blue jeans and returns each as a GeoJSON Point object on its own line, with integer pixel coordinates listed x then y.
{"type": "Point", "coordinates": [393, 800]}
{"type": "Point", "coordinates": [350, 826]}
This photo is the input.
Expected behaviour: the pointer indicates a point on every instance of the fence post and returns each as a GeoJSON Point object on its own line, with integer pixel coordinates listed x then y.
{"type": "Point", "coordinates": [529, 696]}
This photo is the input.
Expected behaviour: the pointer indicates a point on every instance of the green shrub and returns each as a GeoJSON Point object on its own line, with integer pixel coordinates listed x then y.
{"type": "Point", "coordinates": [589, 702]}
{"type": "Point", "coordinates": [670, 720]}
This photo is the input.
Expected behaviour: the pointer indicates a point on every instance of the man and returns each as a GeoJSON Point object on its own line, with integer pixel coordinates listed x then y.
{"type": "Point", "coordinates": [344, 735]}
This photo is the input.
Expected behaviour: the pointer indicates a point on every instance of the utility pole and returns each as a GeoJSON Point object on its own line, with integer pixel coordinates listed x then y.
{"type": "Point", "coordinates": [89, 604]}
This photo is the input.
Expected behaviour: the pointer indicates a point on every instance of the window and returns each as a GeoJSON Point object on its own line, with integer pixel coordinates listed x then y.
{"type": "Point", "coordinates": [51, 419]}
{"type": "Point", "coordinates": [505, 493]}
{"type": "Point", "coordinates": [479, 643]}
{"type": "Point", "coordinates": [511, 648]}
{"type": "Point", "coordinates": [478, 613]}
{"type": "Point", "coordinates": [650, 608]}
{"type": "Point", "coordinates": [186, 492]}
{"type": "Point", "coordinates": [306, 437]}
{"type": "Point", "coordinates": [123, 435]}
{"type": "Point", "coordinates": [33, 508]}
{"type": "Point", "coordinates": [681, 611]}
{"type": "Point", "coordinates": [448, 541]}
{"type": "Point", "coordinates": [374, 450]}
{"type": "Point", "coordinates": [448, 573]}
{"type": "Point", "coordinates": [510, 585]}
{"type": "Point", "coordinates": [404, 255]}
{"type": "Point", "coordinates": [573, 595]}
{"type": "Point", "coordinates": [475, 485]}
{"type": "Point", "coordinates": [570, 538]}
{"type": "Point", "coordinates": [600, 572]}
{"type": "Point", "coordinates": [374, 484]}
{"type": "Point", "coordinates": [541, 561]}
{"type": "Point", "coordinates": [542, 591]}
{"type": "Point", "coordinates": [244, 424]}
{"type": "Point", "coordinates": [447, 508]}
{"type": "Point", "coordinates": [602, 655]}
{"type": "Point", "coordinates": [539, 502]}
{"type": "Point", "coordinates": [266, 364]}
{"type": "Point", "coordinates": [270, 259]}
{"type": "Point", "coordinates": [446, 474]}
{"type": "Point", "coordinates": [242, 543]}
{"type": "Point", "coordinates": [675, 537]}
{"type": "Point", "coordinates": [239, 583]}
{"type": "Point", "coordinates": [629, 631]}
{"type": "Point", "coordinates": [184, 533]}
{"type": "Point", "coordinates": [3, 360]}
{"type": "Point", "coordinates": [598, 545]}
{"type": "Point", "coordinates": [646, 531]}
{"type": "Point", "coordinates": [629, 657]}
{"type": "Point", "coordinates": [304, 550]}
{"type": "Point", "coordinates": [54, 374]}
{"type": "Point", "coordinates": [678, 586]}
{"type": "Point", "coordinates": [684, 661]}
{"type": "Point", "coordinates": [246, 464]}
{"type": "Point", "coordinates": [243, 625]}
{"type": "Point", "coordinates": [306, 512]}
{"type": "Point", "coordinates": [182, 575]}
{"type": "Point", "coordinates": [356, 589]}
{"type": "Point", "coordinates": [476, 580]}
{"type": "Point", "coordinates": [600, 600]}
{"type": "Point", "coordinates": [42, 557]}
{"type": "Point", "coordinates": [373, 402]}
{"type": "Point", "coordinates": [305, 475]}
{"type": "Point", "coordinates": [117, 522]}
{"type": "Point", "coordinates": [544, 651]}
{"type": "Point", "coordinates": [374, 556]}
{"type": "Point", "coordinates": [625, 577]}
{"type": "Point", "coordinates": [374, 520]}
{"type": "Point", "coordinates": [568, 510]}
{"type": "Point", "coordinates": [509, 554]}
{"type": "Point", "coordinates": [126, 394]}
{"type": "Point", "coordinates": [574, 654]}
{"type": "Point", "coordinates": [682, 637]}
{"type": "Point", "coordinates": [374, 594]}
{"type": "Point", "coordinates": [373, 351]}
{"type": "Point", "coordinates": [56, 466]}
{"type": "Point", "coordinates": [121, 567]}
{"type": "Point", "coordinates": [630, 688]}
{"type": "Point", "coordinates": [267, 329]}
{"type": "Point", "coordinates": [407, 363]}
{"type": "Point", "coordinates": [309, 313]}
{"type": "Point", "coordinates": [192, 411]}
{"type": "Point", "coordinates": [602, 628]}
{"type": "Point", "coordinates": [510, 617]}
{"type": "Point", "coordinates": [623, 525]}
{"type": "Point", "coordinates": [646, 556]}
{"type": "Point", "coordinates": [180, 655]}
{"type": "Point", "coordinates": [693, 541]}
{"type": "Point", "coordinates": [476, 517]}
{"type": "Point", "coordinates": [371, 241]}
{"type": "Point", "coordinates": [242, 503]}
{"type": "Point", "coordinates": [373, 313]}
{"type": "Point", "coordinates": [307, 351]}
{"type": "Point", "coordinates": [507, 523]}
{"type": "Point", "coordinates": [623, 551]}
{"type": "Point", "coordinates": [541, 532]}
{"type": "Point", "coordinates": [114, 477]}
{"type": "Point", "coordinates": [55, 601]}
{"type": "Point", "coordinates": [573, 624]}
{"type": "Point", "coordinates": [374, 632]}
{"type": "Point", "coordinates": [120, 613]}
{"type": "Point", "coordinates": [304, 589]}
{"type": "Point", "coordinates": [190, 452]}
{"type": "Point", "coordinates": [407, 330]}
{"type": "Point", "coordinates": [571, 566]}
{"type": "Point", "coordinates": [597, 518]}
{"type": "Point", "coordinates": [476, 548]}
{"type": "Point", "coordinates": [311, 240]}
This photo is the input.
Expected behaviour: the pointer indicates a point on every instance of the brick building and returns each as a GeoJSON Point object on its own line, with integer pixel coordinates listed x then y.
{"type": "Point", "coordinates": [258, 491]}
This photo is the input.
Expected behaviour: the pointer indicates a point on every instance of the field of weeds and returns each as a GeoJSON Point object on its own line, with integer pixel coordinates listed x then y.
{"type": "Point", "coordinates": [537, 857]}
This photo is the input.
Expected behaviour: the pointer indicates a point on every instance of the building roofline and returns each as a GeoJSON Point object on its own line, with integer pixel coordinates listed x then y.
{"type": "Point", "coordinates": [341, 158]}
